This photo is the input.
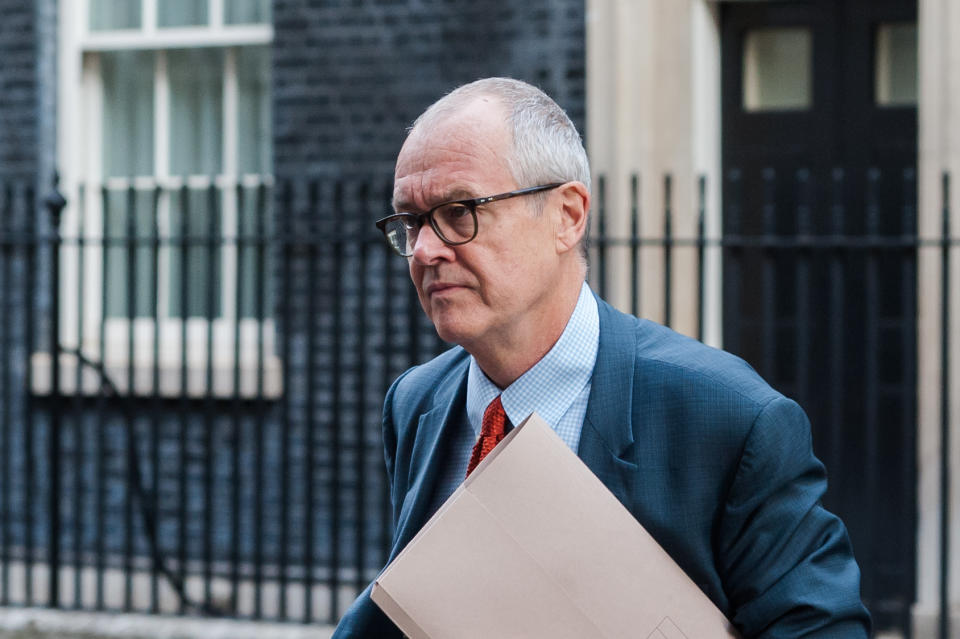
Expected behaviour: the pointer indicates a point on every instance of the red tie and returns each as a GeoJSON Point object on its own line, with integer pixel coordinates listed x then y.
{"type": "Point", "coordinates": [492, 430]}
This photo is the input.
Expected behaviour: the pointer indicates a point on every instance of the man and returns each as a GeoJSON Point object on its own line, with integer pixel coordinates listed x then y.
{"type": "Point", "coordinates": [712, 461]}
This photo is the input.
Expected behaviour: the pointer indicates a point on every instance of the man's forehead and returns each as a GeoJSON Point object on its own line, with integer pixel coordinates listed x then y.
{"type": "Point", "coordinates": [453, 161]}
{"type": "Point", "coordinates": [411, 194]}
{"type": "Point", "coordinates": [427, 176]}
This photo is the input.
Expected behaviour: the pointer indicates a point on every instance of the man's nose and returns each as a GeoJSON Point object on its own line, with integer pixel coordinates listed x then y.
{"type": "Point", "coordinates": [429, 248]}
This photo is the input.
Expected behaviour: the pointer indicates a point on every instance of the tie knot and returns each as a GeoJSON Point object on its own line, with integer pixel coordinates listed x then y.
{"type": "Point", "coordinates": [492, 431]}
{"type": "Point", "coordinates": [494, 418]}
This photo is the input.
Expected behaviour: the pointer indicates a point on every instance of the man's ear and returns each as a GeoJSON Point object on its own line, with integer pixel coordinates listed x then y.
{"type": "Point", "coordinates": [573, 213]}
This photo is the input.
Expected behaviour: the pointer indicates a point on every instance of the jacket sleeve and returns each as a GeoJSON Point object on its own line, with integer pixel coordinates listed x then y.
{"type": "Point", "coordinates": [365, 620]}
{"type": "Point", "coordinates": [787, 563]}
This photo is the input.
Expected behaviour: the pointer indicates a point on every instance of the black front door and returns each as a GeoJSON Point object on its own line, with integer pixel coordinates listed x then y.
{"type": "Point", "coordinates": [819, 150]}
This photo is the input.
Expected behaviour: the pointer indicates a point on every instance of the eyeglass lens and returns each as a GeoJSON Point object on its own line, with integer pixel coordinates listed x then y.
{"type": "Point", "coordinates": [400, 235]}
{"type": "Point", "coordinates": [454, 223]}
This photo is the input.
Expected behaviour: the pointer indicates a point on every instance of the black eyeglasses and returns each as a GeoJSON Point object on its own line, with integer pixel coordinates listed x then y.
{"type": "Point", "coordinates": [454, 223]}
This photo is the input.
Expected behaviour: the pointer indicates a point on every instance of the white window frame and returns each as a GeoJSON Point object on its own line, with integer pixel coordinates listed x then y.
{"type": "Point", "coordinates": [79, 138]}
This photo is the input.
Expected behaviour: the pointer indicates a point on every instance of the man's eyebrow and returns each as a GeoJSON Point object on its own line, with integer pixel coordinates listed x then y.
{"type": "Point", "coordinates": [454, 195]}
{"type": "Point", "coordinates": [400, 205]}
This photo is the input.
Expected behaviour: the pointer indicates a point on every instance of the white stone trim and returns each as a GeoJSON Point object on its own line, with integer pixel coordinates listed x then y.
{"type": "Point", "coordinates": [653, 104]}
{"type": "Point", "coordinates": [938, 151]}
{"type": "Point", "coordinates": [179, 38]}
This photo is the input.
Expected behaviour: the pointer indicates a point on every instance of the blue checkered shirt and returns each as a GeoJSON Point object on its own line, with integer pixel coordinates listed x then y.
{"type": "Point", "coordinates": [557, 388]}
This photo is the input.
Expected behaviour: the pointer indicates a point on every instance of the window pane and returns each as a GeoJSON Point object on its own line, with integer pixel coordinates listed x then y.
{"type": "Point", "coordinates": [777, 69]}
{"type": "Point", "coordinates": [129, 224]}
{"type": "Point", "coordinates": [246, 11]}
{"type": "Point", "coordinates": [182, 13]}
{"type": "Point", "coordinates": [896, 64]}
{"type": "Point", "coordinates": [253, 110]}
{"type": "Point", "coordinates": [127, 113]}
{"type": "Point", "coordinates": [194, 261]}
{"type": "Point", "coordinates": [196, 111]}
{"type": "Point", "coordinates": [255, 258]}
{"type": "Point", "coordinates": [115, 14]}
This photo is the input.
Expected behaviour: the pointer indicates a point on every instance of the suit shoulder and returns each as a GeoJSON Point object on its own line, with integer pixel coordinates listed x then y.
{"type": "Point", "coordinates": [665, 357]}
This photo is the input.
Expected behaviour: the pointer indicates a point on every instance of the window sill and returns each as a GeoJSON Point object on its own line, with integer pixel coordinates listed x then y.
{"type": "Point", "coordinates": [227, 381]}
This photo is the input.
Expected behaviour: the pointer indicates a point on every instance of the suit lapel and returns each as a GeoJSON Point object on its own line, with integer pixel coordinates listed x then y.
{"type": "Point", "coordinates": [607, 442]}
{"type": "Point", "coordinates": [430, 445]}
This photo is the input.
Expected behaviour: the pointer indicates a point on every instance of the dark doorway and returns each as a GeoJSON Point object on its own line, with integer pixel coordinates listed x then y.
{"type": "Point", "coordinates": [819, 150]}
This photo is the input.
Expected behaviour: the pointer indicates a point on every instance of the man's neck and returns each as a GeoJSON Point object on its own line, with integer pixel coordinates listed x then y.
{"type": "Point", "coordinates": [506, 358]}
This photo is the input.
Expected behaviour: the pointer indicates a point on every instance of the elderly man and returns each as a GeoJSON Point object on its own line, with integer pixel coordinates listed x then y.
{"type": "Point", "coordinates": [492, 197]}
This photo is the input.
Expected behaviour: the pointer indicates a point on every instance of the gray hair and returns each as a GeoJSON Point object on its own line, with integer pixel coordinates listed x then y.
{"type": "Point", "coordinates": [546, 145]}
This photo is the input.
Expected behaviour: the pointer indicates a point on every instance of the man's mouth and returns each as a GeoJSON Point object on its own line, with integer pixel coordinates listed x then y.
{"type": "Point", "coordinates": [441, 287]}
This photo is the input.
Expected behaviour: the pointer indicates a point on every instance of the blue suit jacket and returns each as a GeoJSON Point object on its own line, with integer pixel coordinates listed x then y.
{"type": "Point", "coordinates": [714, 463]}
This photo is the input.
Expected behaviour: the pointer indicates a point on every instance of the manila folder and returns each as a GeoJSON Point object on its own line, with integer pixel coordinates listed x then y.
{"type": "Point", "coordinates": [532, 545]}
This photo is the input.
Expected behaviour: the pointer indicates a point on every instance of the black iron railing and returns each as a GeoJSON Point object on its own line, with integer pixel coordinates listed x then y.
{"type": "Point", "coordinates": [191, 424]}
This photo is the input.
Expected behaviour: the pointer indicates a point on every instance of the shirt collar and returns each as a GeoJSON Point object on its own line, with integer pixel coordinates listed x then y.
{"type": "Point", "coordinates": [562, 372]}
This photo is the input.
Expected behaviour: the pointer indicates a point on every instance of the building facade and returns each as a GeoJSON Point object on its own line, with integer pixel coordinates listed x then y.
{"type": "Point", "coordinates": [790, 108]}
{"type": "Point", "coordinates": [772, 179]}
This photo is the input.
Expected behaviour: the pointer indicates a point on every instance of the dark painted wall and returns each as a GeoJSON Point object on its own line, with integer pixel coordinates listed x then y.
{"type": "Point", "coordinates": [19, 102]}
{"type": "Point", "coordinates": [351, 75]}
{"type": "Point", "coordinates": [348, 78]}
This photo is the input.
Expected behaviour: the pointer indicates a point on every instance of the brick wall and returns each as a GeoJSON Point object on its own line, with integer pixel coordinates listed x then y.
{"type": "Point", "coordinates": [351, 75]}
{"type": "Point", "coordinates": [18, 89]}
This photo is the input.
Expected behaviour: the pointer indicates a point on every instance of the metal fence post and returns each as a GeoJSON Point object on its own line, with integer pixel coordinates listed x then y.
{"type": "Point", "coordinates": [634, 245]}
{"type": "Point", "coordinates": [667, 250]}
{"type": "Point", "coordinates": [55, 204]}
{"type": "Point", "coordinates": [601, 240]}
{"type": "Point", "coordinates": [945, 412]}
{"type": "Point", "coordinates": [701, 251]}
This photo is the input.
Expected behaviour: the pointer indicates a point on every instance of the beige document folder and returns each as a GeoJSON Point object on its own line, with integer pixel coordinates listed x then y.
{"type": "Point", "coordinates": [533, 545]}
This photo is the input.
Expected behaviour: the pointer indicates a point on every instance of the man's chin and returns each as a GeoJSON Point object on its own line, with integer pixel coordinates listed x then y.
{"type": "Point", "coordinates": [452, 335]}
{"type": "Point", "coordinates": [454, 330]}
